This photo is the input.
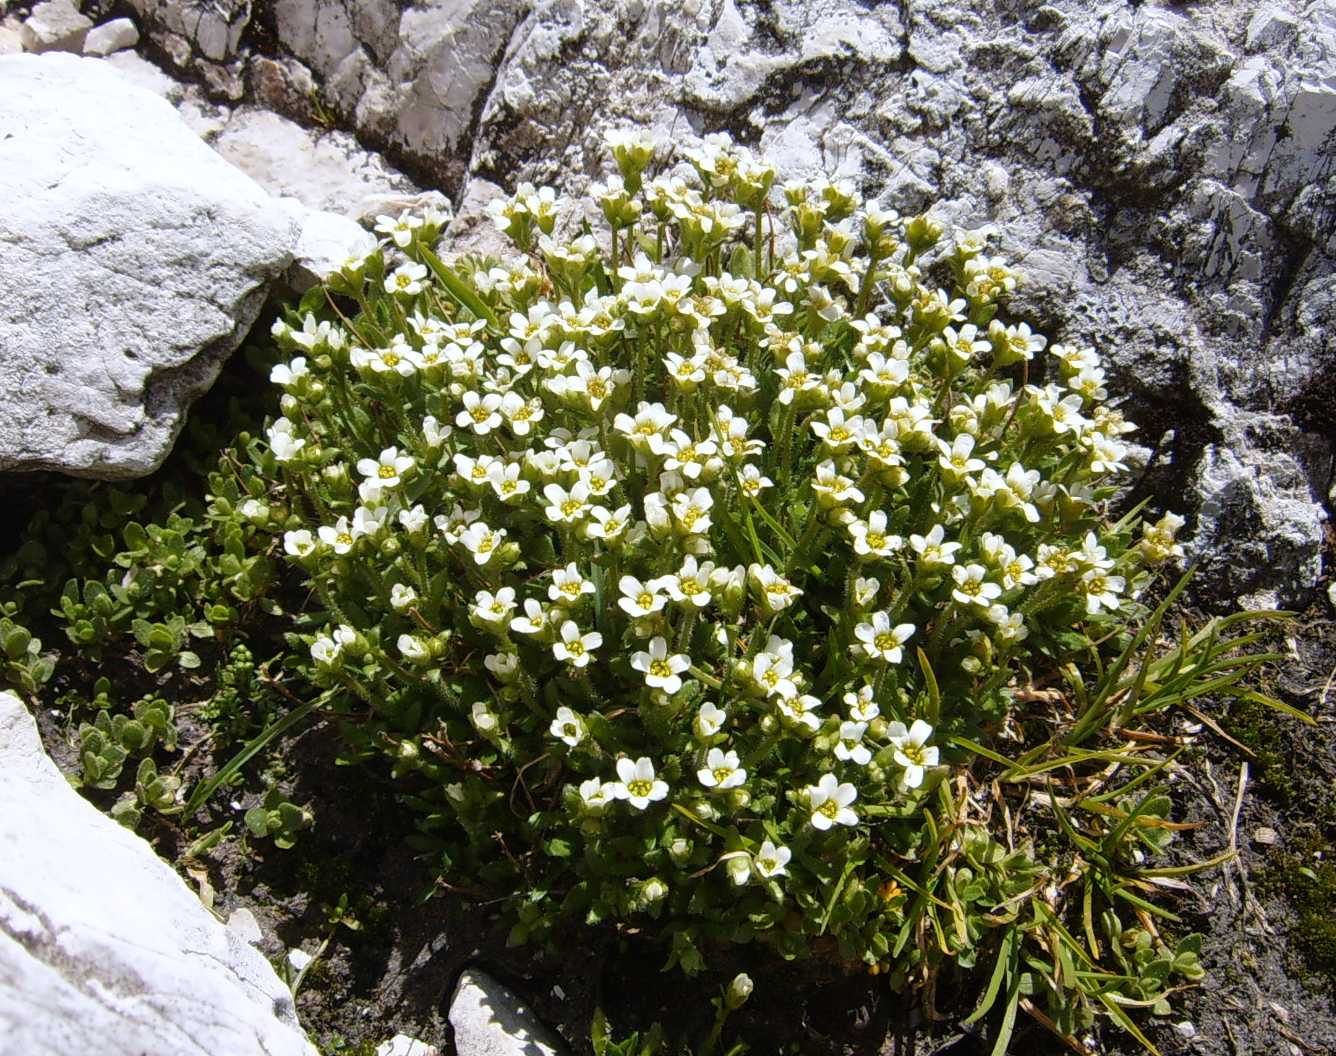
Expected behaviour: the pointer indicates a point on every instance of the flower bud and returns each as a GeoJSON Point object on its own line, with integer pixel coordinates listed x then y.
{"type": "Point", "coordinates": [739, 798]}
{"type": "Point", "coordinates": [680, 851]}
{"type": "Point", "coordinates": [738, 991]}
{"type": "Point", "coordinates": [768, 724]}
{"type": "Point", "coordinates": [289, 404]}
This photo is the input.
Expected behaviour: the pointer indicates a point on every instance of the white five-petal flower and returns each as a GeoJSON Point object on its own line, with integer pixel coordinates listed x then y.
{"type": "Point", "coordinates": [829, 801]}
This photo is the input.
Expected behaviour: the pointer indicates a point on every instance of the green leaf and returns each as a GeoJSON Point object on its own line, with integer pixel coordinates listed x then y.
{"type": "Point", "coordinates": [458, 289]}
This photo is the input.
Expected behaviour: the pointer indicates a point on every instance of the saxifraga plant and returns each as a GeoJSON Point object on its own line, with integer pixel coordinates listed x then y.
{"type": "Point", "coordinates": [739, 572]}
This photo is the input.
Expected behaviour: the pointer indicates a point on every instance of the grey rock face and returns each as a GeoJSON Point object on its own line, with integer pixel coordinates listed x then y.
{"type": "Point", "coordinates": [1163, 175]}
{"type": "Point", "coordinates": [137, 258]}
{"type": "Point", "coordinates": [102, 947]}
{"type": "Point", "coordinates": [489, 1020]}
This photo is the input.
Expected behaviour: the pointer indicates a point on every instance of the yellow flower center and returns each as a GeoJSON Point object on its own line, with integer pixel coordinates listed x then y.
{"type": "Point", "coordinates": [885, 642]}
{"type": "Point", "coordinates": [640, 789]}
{"type": "Point", "coordinates": [722, 774]}
{"type": "Point", "coordinates": [829, 808]}
{"type": "Point", "coordinates": [386, 472]}
{"type": "Point", "coordinates": [660, 668]}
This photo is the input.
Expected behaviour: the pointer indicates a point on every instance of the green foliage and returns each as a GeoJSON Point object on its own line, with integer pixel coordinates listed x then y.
{"type": "Point", "coordinates": [22, 662]}
{"type": "Point", "coordinates": [277, 819]}
{"type": "Point", "coordinates": [110, 739]}
{"type": "Point", "coordinates": [152, 791]}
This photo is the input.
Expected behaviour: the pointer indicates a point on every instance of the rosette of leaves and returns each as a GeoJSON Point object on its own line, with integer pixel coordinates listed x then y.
{"type": "Point", "coordinates": [707, 567]}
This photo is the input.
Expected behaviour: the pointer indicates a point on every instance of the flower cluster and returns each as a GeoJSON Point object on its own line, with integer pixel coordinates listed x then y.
{"type": "Point", "coordinates": [669, 559]}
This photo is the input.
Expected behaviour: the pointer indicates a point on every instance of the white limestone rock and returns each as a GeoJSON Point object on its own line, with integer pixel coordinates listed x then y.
{"type": "Point", "coordinates": [138, 261]}
{"type": "Point", "coordinates": [56, 25]}
{"type": "Point", "coordinates": [328, 171]}
{"type": "Point", "coordinates": [403, 1045]}
{"type": "Point", "coordinates": [11, 39]}
{"type": "Point", "coordinates": [102, 947]}
{"type": "Point", "coordinates": [326, 242]}
{"type": "Point", "coordinates": [116, 35]}
{"type": "Point", "coordinates": [489, 1020]}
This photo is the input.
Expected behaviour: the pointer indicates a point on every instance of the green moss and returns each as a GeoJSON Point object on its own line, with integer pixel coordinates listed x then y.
{"type": "Point", "coordinates": [1258, 728]}
{"type": "Point", "coordinates": [1306, 878]}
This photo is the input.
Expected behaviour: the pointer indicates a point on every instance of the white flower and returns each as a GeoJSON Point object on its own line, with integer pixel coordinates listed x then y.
{"type": "Point", "coordinates": [691, 584]}
{"type": "Point", "coordinates": [482, 414]}
{"type": "Point", "coordinates": [800, 711]}
{"type": "Point", "coordinates": [414, 520]}
{"type": "Point", "coordinates": [865, 591]}
{"type": "Point", "coordinates": [339, 537]}
{"type": "Point", "coordinates": [413, 648]}
{"type": "Point", "coordinates": [709, 720]}
{"type": "Point", "coordinates": [1101, 590]}
{"type": "Point", "coordinates": [506, 481]}
{"type": "Point", "coordinates": [932, 550]}
{"type": "Point", "coordinates": [534, 620]}
{"type": "Point", "coordinates": [1009, 626]}
{"type": "Point", "coordinates": [870, 538]}
{"type": "Point", "coordinates": [494, 608]}
{"type": "Point", "coordinates": [399, 231]}
{"type": "Point", "coordinates": [281, 441]}
{"type": "Point", "coordinates": [406, 279]}
{"type": "Point", "coordinates": [568, 727]}
{"type": "Point", "coordinates": [402, 597]}
{"type": "Point", "coordinates": [661, 670]}
{"type": "Point", "coordinates": [640, 599]}
{"type": "Point", "coordinates": [862, 708]}
{"type": "Point", "coordinates": [829, 801]}
{"type": "Point", "coordinates": [721, 770]}
{"type": "Point", "coordinates": [502, 665]}
{"type": "Point", "coordinates": [387, 470]}
{"type": "Point", "coordinates": [971, 588]}
{"type": "Point", "coordinates": [850, 746]}
{"type": "Point", "coordinates": [566, 507]}
{"type": "Point", "coordinates": [595, 795]}
{"type": "Point", "coordinates": [325, 650]}
{"type": "Point", "coordinates": [777, 593]}
{"type": "Point", "coordinates": [287, 374]}
{"type": "Point", "coordinates": [772, 669]}
{"type": "Point", "coordinates": [610, 526]}
{"type": "Point", "coordinates": [739, 867]}
{"type": "Point", "coordinates": [574, 647]}
{"type": "Point", "coordinates": [638, 784]}
{"type": "Point", "coordinates": [520, 413]}
{"type": "Point", "coordinates": [568, 585]}
{"type": "Point", "coordinates": [771, 861]}
{"type": "Point", "coordinates": [299, 543]}
{"type": "Point", "coordinates": [482, 542]}
{"type": "Point", "coordinates": [692, 510]}
{"type": "Point", "coordinates": [752, 481]}
{"type": "Point", "coordinates": [434, 432]}
{"type": "Point", "coordinates": [368, 522]}
{"type": "Point", "coordinates": [957, 458]}
{"type": "Point", "coordinates": [484, 718]}
{"type": "Point", "coordinates": [912, 751]}
{"type": "Point", "coordinates": [880, 641]}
